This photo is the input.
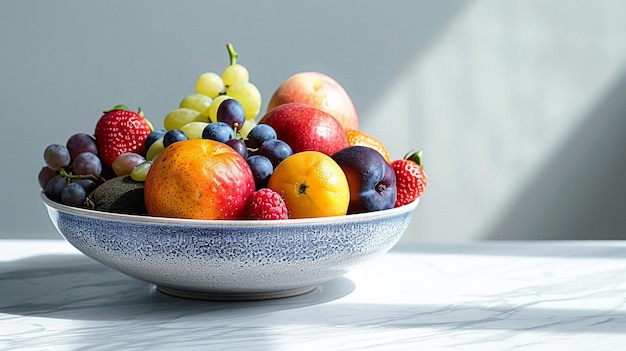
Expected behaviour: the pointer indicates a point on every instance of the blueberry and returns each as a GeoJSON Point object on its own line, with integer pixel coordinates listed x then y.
{"type": "Point", "coordinates": [259, 134]}
{"type": "Point", "coordinates": [173, 136]}
{"type": "Point", "coordinates": [262, 169]}
{"type": "Point", "coordinates": [218, 131]}
{"type": "Point", "coordinates": [275, 150]}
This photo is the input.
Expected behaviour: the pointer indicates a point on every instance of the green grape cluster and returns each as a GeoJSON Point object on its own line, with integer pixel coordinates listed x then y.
{"type": "Point", "coordinates": [199, 109]}
{"type": "Point", "coordinates": [234, 82]}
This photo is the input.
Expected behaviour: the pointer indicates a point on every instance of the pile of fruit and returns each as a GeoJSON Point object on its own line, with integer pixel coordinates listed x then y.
{"type": "Point", "coordinates": [217, 158]}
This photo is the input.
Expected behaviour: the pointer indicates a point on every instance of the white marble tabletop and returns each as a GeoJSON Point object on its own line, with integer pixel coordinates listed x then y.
{"type": "Point", "coordinates": [430, 296]}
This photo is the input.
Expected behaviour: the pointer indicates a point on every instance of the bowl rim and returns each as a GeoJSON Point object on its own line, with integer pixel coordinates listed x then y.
{"type": "Point", "coordinates": [84, 212]}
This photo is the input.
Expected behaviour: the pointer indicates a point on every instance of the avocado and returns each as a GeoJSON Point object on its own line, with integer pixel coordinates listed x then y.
{"type": "Point", "coordinates": [118, 195]}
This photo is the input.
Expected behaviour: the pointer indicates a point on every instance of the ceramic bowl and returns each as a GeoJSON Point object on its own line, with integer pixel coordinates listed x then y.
{"type": "Point", "coordinates": [226, 259]}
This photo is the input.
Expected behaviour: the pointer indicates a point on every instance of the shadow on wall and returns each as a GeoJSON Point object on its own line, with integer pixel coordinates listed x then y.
{"type": "Point", "coordinates": [580, 194]}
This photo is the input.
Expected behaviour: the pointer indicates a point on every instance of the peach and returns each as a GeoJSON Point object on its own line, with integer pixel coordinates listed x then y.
{"type": "Point", "coordinates": [320, 91]}
{"type": "Point", "coordinates": [198, 179]}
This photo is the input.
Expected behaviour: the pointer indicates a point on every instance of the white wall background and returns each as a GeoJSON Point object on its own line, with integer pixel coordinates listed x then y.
{"type": "Point", "coordinates": [520, 108]}
{"type": "Point", "coordinates": [517, 104]}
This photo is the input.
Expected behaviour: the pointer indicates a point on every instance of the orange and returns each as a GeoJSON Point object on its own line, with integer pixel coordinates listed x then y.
{"type": "Point", "coordinates": [312, 185]}
{"type": "Point", "coordinates": [357, 137]}
{"type": "Point", "coordinates": [198, 179]}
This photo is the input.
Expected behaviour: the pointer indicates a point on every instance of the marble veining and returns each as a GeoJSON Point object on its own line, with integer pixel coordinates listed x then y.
{"type": "Point", "coordinates": [473, 296]}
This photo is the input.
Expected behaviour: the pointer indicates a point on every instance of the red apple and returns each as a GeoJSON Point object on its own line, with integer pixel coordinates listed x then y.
{"type": "Point", "coordinates": [320, 91]}
{"type": "Point", "coordinates": [306, 128]}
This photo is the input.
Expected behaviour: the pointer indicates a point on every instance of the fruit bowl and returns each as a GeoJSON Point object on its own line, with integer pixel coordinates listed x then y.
{"type": "Point", "coordinates": [228, 259]}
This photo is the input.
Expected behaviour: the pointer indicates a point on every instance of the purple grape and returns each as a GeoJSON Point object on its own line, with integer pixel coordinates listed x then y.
{"type": "Point", "coordinates": [54, 187]}
{"type": "Point", "coordinates": [87, 163]}
{"type": "Point", "coordinates": [231, 112]}
{"type": "Point", "coordinates": [239, 146]}
{"type": "Point", "coordinates": [57, 156]}
{"type": "Point", "coordinates": [73, 194]}
{"type": "Point", "coordinates": [81, 142]}
{"type": "Point", "coordinates": [275, 150]}
{"type": "Point", "coordinates": [45, 174]}
{"type": "Point", "coordinates": [87, 184]}
{"type": "Point", "coordinates": [173, 136]}
{"type": "Point", "coordinates": [259, 134]}
{"type": "Point", "coordinates": [218, 131]}
{"type": "Point", "coordinates": [261, 168]}
{"type": "Point", "coordinates": [126, 162]}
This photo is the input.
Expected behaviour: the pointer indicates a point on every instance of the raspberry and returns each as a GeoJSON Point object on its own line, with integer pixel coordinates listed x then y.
{"type": "Point", "coordinates": [267, 204]}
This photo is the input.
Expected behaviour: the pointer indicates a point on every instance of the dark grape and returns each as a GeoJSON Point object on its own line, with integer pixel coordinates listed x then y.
{"type": "Point", "coordinates": [262, 170]}
{"type": "Point", "coordinates": [154, 136]}
{"type": "Point", "coordinates": [87, 163]}
{"type": "Point", "coordinates": [275, 150]}
{"type": "Point", "coordinates": [259, 134]}
{"type": "Point", "coordinates": [88, 184]}
{"type": "Point", "coordinates": [173, 136]}
{"type": "Point", "coordinates": [73, 194]}
{"type": "Point", "coordinates": [231, 112]}
{"type": "Point", "coordinates": [81, 142]}
{"type": "Point", "coordinates": [45, 174]}
{"type": "Point", "coordinates": [54, 187]}
{"type": "Point", "coordinates": [57, 156]}
{"type": "Point", "coordinates": [218, 131]}
{"type": "Point", "coordinates": [239, 146]}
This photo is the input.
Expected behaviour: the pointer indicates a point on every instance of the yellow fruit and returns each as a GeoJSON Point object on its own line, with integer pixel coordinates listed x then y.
{"type": "Point", "coordinates": [194, 130]}
{"type": "Point", "coordinates": [247, 126]}
{"type": "Point", "coordinates": [312, 185]}
{"type": "Point", "coordinates": [248, 96]}
{"type": "Point", "coordinates": [209, 84]}
{"type": "Point", "coordinates": [357, 137]}
{"type": "Point", "coordinates": [155, 149]}
{"type": "Point", "coordinates": [177, 118]}
{"type": "Point", "coordinates": [197, 102]}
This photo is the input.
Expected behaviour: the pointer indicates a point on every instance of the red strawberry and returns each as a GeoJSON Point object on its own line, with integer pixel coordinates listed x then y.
{"type": "Point", "coordinates": [410, 178]}
{"type": "Point", "coordinates": [120, 130]}
{"type": "Point", "coordinates": [265, 203]}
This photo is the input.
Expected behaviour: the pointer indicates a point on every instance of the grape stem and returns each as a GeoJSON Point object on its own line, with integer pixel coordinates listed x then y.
{"type": "Point", "coordinates": [69, 175]}
{"type": "Point", "coordinates": [232, 54]}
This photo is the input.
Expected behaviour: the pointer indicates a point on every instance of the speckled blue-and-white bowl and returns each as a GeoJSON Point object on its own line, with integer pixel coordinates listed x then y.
{"type": "Point", "coordinates": [230, 260]}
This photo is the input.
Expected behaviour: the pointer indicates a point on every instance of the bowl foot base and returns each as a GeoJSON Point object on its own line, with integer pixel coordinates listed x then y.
{"type": "Point", "coordinates": [235, 296]}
